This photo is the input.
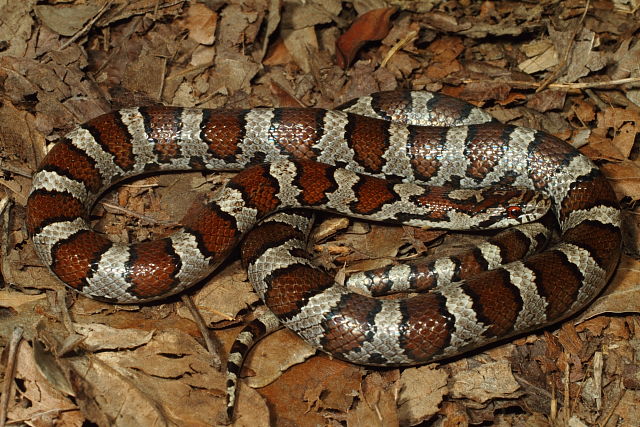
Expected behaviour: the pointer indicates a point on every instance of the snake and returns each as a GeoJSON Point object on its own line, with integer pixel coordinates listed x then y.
{"type": "Point", "coordinates": [412, 157]}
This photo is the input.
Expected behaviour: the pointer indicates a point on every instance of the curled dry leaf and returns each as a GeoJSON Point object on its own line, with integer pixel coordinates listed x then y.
{"type": "Point", "coordinates": [373, 25]}
{"type": "Point", "coordinates": [547, 100]}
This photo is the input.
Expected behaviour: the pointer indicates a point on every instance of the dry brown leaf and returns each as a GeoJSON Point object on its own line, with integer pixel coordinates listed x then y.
{"type": "Point", "coordinates": [631, 376]}
{"type": "Point", "coordinates": [224, 295]}
{"type": "Point", "coordinates": [329, 227]}
{"type": "Point", "coordinates": [373, 25]}
{"type": "Point", "coordinates": [168, 381]}
{"type": "Point", "coordinates": [508, 20]}
{"type": "Point", "coordinates": [489, 381]}
{"type": "Point", "coordinates": [18, 139]}
{"type": "Point", "coordinates": [284, 97]}
{"type": "Point", "coordinates": [268, 361]}
{"type": "Point", "coordinates": [67, 20]}
{"type": "Point", "coordinates": [584, 59]}
{"type": "Point", "coordinates": [94, 383]}
{"type": "Point", "coordinates": [585, 110]}
{"type": "Point", "coordinates": [277, 54]}
{"type": "Point", "coordinates": [380, 243]}
{"type": "Point", "coordinates": [482, 91]}
{"type": "Point", "coordinates": [145, 75]}
{"type": "Point", "coordinates": [514, 97]}
{"type": "Point", "coordinates": [625, 178]}
{"type": "Point", "coordinates": [628, 409]}
{"type": "Point", "coordinates": [302, 44]}
{"type": "Point", "coordinates": [123, 9]}
{"type": "Point", "coordinates": [541, 56]}
{"type": "Point", "coordinates": [304, 391]}
{"type": "Point", "coordinates": [39, 397]}
{"type": "Point", "coordinates": [297, 14]}
{"type": "Point", "coordinates": [622, 294]}
{"type": "Point", "coordinates": [421, 392]}
{"type": "Point", "coordinates": [233, 72]}
{"type": "Point", "coordinates": [17, 24]}
{"type": "Point", "coordinates": [626, 59]}
{"type": "Point", "coordinates": [569, 339]}
{"type": "Point", "coordinates": [18, 300]}
{"type": "Point", "coordinates": [445, 51]}
{"type": "Point", "coordinates": [624, 123]}
{"type": "Point", "coordinates": [103, 337]}
{"type": "Point", "coordinates": [445, 22]}
{"type": "Point", "coordinates": [547, 100]}
{"type": "Point", "coordinates": [201, 23]}
{"type": "Point", "coordinates": [377, 407]}
{"type": "Point", "coordinates": [455, 414]}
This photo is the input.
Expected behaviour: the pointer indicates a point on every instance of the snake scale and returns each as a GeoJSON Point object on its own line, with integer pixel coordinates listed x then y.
{"type": "Point", "coordinates": [361, 160]}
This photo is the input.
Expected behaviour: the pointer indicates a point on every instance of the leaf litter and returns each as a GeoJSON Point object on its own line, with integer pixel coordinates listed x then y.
{"type": "Point", "coordinates": [570, 68]}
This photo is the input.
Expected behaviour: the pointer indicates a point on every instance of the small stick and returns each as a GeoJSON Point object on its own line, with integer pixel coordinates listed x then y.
{"type": "Point", "coordinates": [560, 85]}
{"type": "Point", "coordinates": [213, 346]}
{"type": "Point", "coordinates": [87, 26]}
{"type": "Point", "coordinates": [9, 373]}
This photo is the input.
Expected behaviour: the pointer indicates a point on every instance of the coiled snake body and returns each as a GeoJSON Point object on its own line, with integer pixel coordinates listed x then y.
{"type": "Point", "coordinates": [285, 144]}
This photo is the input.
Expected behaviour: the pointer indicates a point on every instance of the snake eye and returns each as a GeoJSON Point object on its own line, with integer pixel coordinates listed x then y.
{"type": "Point", "coordinates": [514, 212]}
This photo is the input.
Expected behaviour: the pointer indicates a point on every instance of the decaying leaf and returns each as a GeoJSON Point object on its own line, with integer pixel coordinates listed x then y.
{"type": "Point", "coordinates": [421, 392]}
{"type": "Point", "coordinates": [373, 25]}
{"type": "Point", "coordinates": [539, 65]}
{"type": "Point", "coordinates": [622, 295]}
{"type": "Point", "coordinates": [268, 362]}
{"type": "Point", "coordinates": [489, 381]}
{"type": "Point", "coordinates": [68, 20]}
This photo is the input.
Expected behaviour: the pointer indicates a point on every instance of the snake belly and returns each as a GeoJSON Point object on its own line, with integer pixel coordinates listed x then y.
{"type": "Point", "coordinates": [448, 320]}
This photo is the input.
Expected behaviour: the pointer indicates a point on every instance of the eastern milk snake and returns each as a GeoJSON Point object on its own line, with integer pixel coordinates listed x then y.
{"type": "Point", "coordinates": [450, 143]}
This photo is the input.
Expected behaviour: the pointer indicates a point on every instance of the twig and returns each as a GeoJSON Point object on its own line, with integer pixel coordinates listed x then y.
{"type": "Point", "coordinates": [565, 58]}
{"type": "Point", "coordinates": [410, 36]}
{"type": "Point", "coordinates": [36, 415]}
{"type": "Point", "coordinates": [138, 215]}
{"type": "Point", "coordinates": [568, 86]}
{"type": "Point", "coordinates": [61, 302]}
{"type": "Point", "coordinates": [596, 99]}
{"type": "Point", "coordinates": [609, 414]}
{"type": "Point", "coordinates": [5, 214]}
{"type": "Point", "coordinates": [87, 26]}
{"type": "Point", "coordinates": [214, 347]}
{"type": "Point", "coordinates": [15, 169]}
{"type": "Point", "coordinates": [9, 373]}
{"type": "Point", "coordinates": [132, 28]}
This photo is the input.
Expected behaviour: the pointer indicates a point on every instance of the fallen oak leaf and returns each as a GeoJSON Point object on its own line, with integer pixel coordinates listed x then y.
{"type": "Point", "coordinates": [373, 25]}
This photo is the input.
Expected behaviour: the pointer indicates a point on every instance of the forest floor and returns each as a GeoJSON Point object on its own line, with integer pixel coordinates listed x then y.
{"type": "Point", "coordinates": [571, 68]}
